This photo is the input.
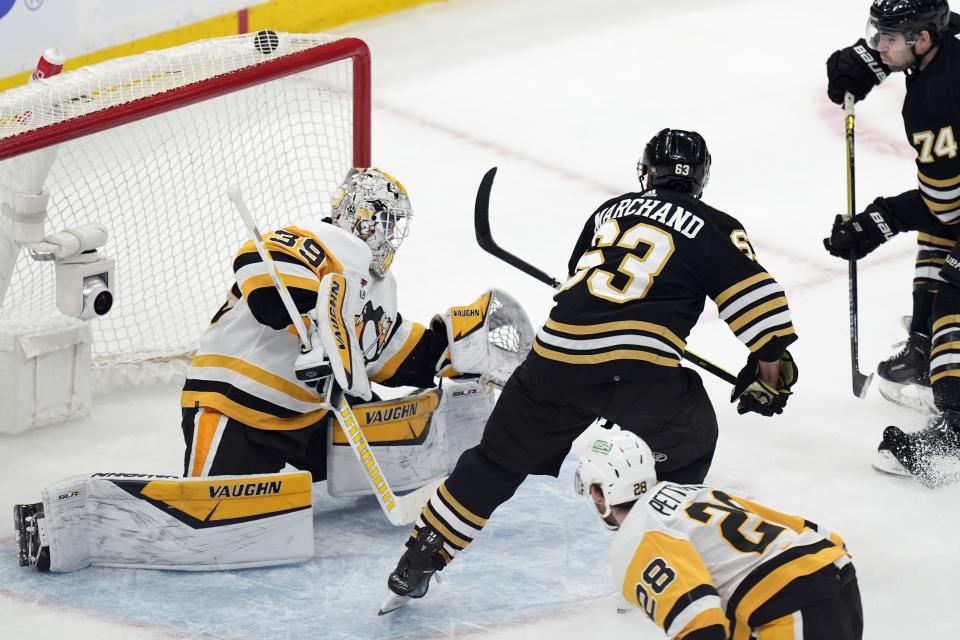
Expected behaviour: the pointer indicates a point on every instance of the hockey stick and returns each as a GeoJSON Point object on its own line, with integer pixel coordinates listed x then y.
{"type": "Point", "coordinates": [861, 382]}
{"type": "Point", "coordinates": [487, 243]}
{"type": "Point", "coordinates": [400, 510]}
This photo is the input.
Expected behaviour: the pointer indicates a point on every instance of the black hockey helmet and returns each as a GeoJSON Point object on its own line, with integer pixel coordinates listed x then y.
{"type": "Point", "coordinates": [909, 17]}
{"type": "Point", "coordinates": [676, 160]}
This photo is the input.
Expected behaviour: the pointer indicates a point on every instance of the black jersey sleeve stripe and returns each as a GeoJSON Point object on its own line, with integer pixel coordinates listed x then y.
{"type": "Point", "coordinates": [780, 562]}
{"type": "Point", "coordinates": [930, 241]}
{"type": "Point", "coordinates": [684, 601]}
{"type": "Point", "coordinates": [241, 397]}
{"type": "Point", "coordinates": [713, 632]}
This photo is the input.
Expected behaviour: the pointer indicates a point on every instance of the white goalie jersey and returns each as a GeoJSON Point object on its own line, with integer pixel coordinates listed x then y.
{"type": "Point", "coordinates": [694, 557]}
{"type": "Point", "coordinates": [244, 367]}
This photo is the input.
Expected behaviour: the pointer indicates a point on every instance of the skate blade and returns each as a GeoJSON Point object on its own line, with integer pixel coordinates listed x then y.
{"type": "Point", "coordinates": [910, 396]}
{"type": "Point", "coordinates": [392, 603]}
{"type": "Point", "coordinates": [887, 463]}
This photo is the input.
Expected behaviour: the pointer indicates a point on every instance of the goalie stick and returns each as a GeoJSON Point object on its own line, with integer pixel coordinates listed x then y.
{"type": "Point", "coordinates": [860, 381]}
{"type": "Point", "coordinates": [399, 510]}
{"type": "Point", "coordinates": [488, 244]}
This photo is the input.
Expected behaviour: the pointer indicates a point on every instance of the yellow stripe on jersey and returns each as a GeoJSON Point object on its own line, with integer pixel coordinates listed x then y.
{"type": "Point", "coordinates": [390, 368]}
{"type": "Point", "coordinates": [945, 320]}
{"type": "Point", "coordinates": [246, 415]}
{"type": "Point", "coordinates": [264, 281]}
{"type": "Point", "coordinates": [938, 207]}
{"type": "Point", "coordinates": [945, 347]}
{"type": "Point", "coordinates": [740, 286]}
{"type": "Point", "coordinates": [203, 435]}
{"type": "Point", "coordinates": [674, 567]}
{"type": "Point", "coordinates": [932, 182]}
{"type": "Point", "coordinates": [759, 344]}
{"type": "Point", "coordinates": [940, 242]}
{"type": "Point", "coordinates": [952, 373]}
{"type": "Point", "coordinates": [443, 530]}
{"type": "Point", "coordinates": [784, 628]}
{"type": "Point", "coordinates": [248, 497]}
{"type": "Point", "coordinates": [461, 511]}
{"type": "Point", "coordinates": [931, 261]}
{"type": "Point", "coordinates": [257, 374]}
{"type": "Point", "coordinates": [779, 578]}
{"type": "Point", "coordinates": [589, 329]}
{"type": "Point", "coordinates": [619, 354]}
{"type": "Point", "coordinates": [756, 312]}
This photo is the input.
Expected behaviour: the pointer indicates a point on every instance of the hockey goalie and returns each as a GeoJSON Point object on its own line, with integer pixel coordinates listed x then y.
{"type": "Point", "coordinates": [253, 403]}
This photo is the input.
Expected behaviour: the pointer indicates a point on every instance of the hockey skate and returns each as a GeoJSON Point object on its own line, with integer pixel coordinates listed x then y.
{"type": "Point", "coordinates": [32, 549]}
{"type": "Point", "coordinates": [904, 378]}
{"type": "Point", "coordinates": [931, 455]}
{"type": "Point", "coordinates": [411, 578]}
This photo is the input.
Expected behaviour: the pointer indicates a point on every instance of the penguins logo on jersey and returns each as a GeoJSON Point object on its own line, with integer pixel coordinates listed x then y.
{"type": "Point", "coordinates": [373, 328]}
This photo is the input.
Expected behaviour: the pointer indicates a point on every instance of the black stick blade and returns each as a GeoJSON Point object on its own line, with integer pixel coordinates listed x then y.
{"type": "Point", "coordinates": [481, 223]}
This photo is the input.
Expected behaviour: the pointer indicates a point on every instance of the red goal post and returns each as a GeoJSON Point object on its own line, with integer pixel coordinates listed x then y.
{"type": "Point", "coordinates": [147, 145]}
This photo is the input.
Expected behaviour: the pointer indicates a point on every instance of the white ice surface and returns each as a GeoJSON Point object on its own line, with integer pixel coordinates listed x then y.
{"type": "Point", "coordinates": [562, 95]}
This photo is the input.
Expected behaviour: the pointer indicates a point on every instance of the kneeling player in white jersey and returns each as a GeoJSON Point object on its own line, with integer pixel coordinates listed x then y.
{"type": "Point", "coordinates": [705, 565]}
{"type": "Point", "coordinates": [252, 403]}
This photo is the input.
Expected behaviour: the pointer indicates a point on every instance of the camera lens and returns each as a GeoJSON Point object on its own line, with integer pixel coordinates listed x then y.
{"type": "Point", "coordinates": [102, 303]}
{"type": "Point", "coordinates": [97, 295]}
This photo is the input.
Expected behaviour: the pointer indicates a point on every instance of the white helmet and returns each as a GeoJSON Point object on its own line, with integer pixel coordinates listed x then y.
{"type": "Point", "coordinates": [374, 206]}
{"type": "Point", "coordinates": [621, 464]}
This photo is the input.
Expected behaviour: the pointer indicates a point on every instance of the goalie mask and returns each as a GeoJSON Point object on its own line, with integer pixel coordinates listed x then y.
{"type": "Point", "coordinates": [374, 206]}
{"type": "Point", "coordinates": [622, 465]}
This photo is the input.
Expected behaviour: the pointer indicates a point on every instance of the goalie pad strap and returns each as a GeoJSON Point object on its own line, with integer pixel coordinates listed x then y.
{"type": "Point", "coordinates": [166, 522]}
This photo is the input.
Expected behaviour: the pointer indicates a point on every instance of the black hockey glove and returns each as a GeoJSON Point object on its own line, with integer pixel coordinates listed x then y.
{"type": "Point", "coordinates": [862, 233]}
{"type": "Point", "coordinates": [757, 396]}
{"type": "Point", "coordinates": [856, 69]}
{"type": "Point", "coordinates": [313, 369]}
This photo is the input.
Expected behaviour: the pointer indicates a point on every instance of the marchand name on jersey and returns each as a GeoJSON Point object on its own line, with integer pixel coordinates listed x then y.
{"type": "Point", "coordinates": [246, 490]}
{"type": "Point", "coordinates": [666, 213]}
{"type": "Point", "coordinates": [390, 414]}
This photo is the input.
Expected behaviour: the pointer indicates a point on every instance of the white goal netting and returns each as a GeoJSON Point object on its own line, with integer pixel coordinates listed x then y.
{"type": "Point", "coordinates": [159, 184]}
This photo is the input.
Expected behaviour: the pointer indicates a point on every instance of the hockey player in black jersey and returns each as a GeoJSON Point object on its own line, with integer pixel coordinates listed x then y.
{"type": "Point", "coordinates": [640, 273]}
{"type": "Point", "coordinates": [920, 38]}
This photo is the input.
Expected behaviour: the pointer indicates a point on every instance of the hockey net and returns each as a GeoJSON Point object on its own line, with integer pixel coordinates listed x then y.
{"type": "Point", "coordinates": [147, 145]}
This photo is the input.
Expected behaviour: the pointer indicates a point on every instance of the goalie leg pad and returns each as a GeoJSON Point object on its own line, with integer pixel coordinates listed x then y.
{"type": "Point", "coordinates": [416, 438]}
{"type": "Point", "coordinates": [166, 522]}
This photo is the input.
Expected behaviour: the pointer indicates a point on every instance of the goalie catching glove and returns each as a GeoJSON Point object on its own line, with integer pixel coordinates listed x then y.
{"type": "Point", "coordinates": [489, 338]}
{"type": "Point", "coordinates": [757, 396]}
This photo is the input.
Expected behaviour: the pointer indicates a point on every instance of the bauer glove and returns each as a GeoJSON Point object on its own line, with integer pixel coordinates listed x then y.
{"type": "Point", "coordinates": [757, 396]}
{"type": "Point", "coordinates": [855, 69]}
{"type": "Point", "coordinates": [861, 234]}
